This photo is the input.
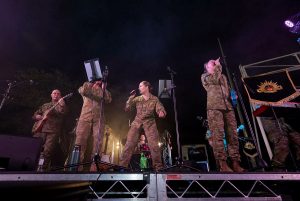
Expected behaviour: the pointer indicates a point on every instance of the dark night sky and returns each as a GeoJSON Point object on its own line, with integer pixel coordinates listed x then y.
{"type": "Point", "coordinates": [137, 40]}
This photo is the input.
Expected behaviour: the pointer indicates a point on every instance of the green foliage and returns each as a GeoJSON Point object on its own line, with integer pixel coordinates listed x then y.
{"type": "Point", "coordinates": [25, 98]}
{"type": "Point", "coordinates": [34, 95]}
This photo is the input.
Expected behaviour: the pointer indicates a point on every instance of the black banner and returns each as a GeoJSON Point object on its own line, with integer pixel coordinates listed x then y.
{"type": "Point", "coordinates": [270, 88]}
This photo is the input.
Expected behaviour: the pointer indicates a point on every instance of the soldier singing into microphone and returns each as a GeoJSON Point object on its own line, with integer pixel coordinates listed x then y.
{"type": "Point", "coordinates": [220, 115]}
{"type": "Point", "coordinates": [147, 105]}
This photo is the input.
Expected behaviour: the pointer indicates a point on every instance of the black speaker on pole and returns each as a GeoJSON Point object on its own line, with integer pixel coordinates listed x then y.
{"type": "Point", "coordinates": [19, 153]}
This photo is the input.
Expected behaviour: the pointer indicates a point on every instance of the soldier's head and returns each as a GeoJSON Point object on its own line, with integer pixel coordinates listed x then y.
{"type": "Point", "coordinates": [145, 87]}
{"type": "Point", "coordinates": [55, 95]}
{"type": "Point", "coordinates": [212, 65]}
{"type": "Point", "coordinates": [209, 66]}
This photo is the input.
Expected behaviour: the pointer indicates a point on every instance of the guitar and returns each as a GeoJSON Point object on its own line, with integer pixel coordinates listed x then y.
{"type": "Point", "coordinates": [106, 157]}
{"type": "Point", "coordinates": [38, 125]}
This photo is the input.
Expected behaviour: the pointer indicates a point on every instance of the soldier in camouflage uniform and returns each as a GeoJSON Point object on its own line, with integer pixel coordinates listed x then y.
{"type": "Point", "coordinates": [280, 134]}
{"type": "Point", "coordinates": [146, 106]}
{"type": "Point", "coordinates": [220, 115]}
{"type": "Point", "coordinates": [89, 120]}
{"type": "Point", "coordinates": [52, 126]}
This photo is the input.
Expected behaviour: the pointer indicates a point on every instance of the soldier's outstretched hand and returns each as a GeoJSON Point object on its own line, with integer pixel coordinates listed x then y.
{"type": "Point", "coordinates": [161, 114]}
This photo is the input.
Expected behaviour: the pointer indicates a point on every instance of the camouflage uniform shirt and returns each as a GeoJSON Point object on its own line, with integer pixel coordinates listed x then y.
{"type": "Point", "coordinates": [92, 102]}
{"type": "Point", "coordinates": [145, 109]}
{"type": "Point", "coordinates": [218, 96]}
{"type": "Point", "coordinates": [55, 117]}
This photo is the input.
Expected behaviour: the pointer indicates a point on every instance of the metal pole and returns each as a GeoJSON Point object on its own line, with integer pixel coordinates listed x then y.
{"type": "Point", "coordinates": [175, 113]}
{"type": "Point", "coordinates": [233, 87]}
{"type": "Point", "coordinates": [5, 96]}
{"type": "Point", "coordinates": [97, 157]}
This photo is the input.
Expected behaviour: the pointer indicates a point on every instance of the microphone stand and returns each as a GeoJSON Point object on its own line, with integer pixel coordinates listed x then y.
{"type": "Point", "coordinates": [172, 73]}
{"type": "Point", "coordinates": [179, 161]}
{"type": "Point", "coordinates": [233, 84]}
{"type": "Point", "coordinates": [5, 95]}
{"type": "Point", "coordinates": [11, 84]}
{"type": "Point", "coordinates": [97, 158]}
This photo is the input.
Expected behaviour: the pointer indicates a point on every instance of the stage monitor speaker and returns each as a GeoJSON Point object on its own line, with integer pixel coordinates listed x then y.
{"type": "Point", "coordinates": [196, 154]}
{"type": "Point", "coordinates": [19, 153]}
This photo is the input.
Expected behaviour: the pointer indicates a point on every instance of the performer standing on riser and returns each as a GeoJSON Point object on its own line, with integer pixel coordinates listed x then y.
{"type": "Point", "coordinates": [146, 105]}
{"type": "Point", "coordinates": [220, 115]}
{"type": "Point", "coordinates": [51, 114]}
{"type": "Point", "coordinates": [90, 119]}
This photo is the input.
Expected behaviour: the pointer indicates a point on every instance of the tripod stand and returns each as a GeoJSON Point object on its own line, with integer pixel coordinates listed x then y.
{"type": "Point", "coordinates": [179, 162]}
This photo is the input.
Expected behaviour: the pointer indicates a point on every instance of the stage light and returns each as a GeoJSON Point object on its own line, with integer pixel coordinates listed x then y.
{"type": "Point", "coordinates": [289, 23]}
{"type": "Point", "coordinates": [293, 23]}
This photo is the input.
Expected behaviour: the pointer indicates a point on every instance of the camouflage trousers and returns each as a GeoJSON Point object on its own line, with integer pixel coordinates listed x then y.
{"type": "Point", "coordinates": [48, 140]}
{"type": "Point", "coordinates": [220, 122]}
{"type": "Point", "coordinates": [83, 131]}
{"type": "Point", "coordinates": [152, 135]}
{"type": "Point", "coordinates": [280, 138]}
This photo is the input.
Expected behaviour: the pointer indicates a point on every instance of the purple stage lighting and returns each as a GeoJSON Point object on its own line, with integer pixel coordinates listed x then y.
{"type": "Point", "coordinates": [293, 23]}
{"type": "Point", "coordinates": [289, 23]}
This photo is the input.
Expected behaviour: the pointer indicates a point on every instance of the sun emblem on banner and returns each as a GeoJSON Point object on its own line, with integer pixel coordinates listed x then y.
{"type": "Point", "coordinates": [268, 87]}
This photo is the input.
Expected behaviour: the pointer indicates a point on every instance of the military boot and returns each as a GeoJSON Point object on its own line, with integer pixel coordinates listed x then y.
{"type": "Point", "coordinates": [236, 167]}
{"type": "Point", "coordinates": [93, 167]}
{"type": "Point", "coordinates": [224, 167]}
{"type": "Point", "coordinates": [278, 166]}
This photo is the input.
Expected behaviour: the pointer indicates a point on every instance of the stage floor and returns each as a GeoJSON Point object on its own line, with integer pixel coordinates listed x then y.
{"type": "Point", "coordinates": [150, 186]}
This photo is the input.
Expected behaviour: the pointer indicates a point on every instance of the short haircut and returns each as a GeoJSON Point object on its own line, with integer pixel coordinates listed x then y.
{"type": "Point", "coordinates": [147, 84]}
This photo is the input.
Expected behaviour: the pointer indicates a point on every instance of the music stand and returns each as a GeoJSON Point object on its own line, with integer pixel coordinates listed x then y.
{"type": "Point", "coordinates": [93, 69]}
{"type": "Point", "coordinates": [164, 88]}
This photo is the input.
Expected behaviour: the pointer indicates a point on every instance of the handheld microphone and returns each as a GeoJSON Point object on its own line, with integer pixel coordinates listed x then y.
{"type": "Point", "coordinates": [133, 92]}
{"type": "Point", "coordinates": [199, 118]}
